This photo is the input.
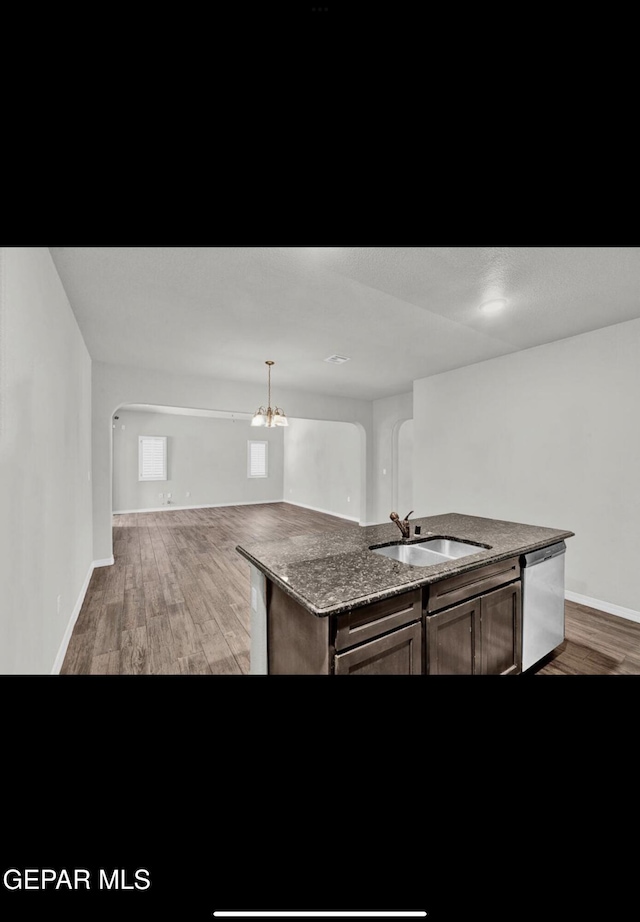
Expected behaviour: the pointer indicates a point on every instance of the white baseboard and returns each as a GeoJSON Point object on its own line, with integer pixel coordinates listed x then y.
{"type": "Point", "coordinates": [175, 508]}
{"type": "Point", "coordinates": [259, 502]}
{"type": "Point", "coordinates": [608, 607]}
{"type": "Point", "coordinates": [107, 562]}
{"type": "Point", "coordinates": [349, 518]}
{"type": "Point", "coordinates": [62, 651]}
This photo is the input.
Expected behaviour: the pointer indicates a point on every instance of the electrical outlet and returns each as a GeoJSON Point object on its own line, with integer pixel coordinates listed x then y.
{"type": "Point", "coordinates": [348, 499]}
{"type": "Point", "coordinates": [188, 493]}
{"type": "Point", "coordinates": [384, 470]}
{"type": "Point", "coordinates": [59, 603]}
{"type": "Point", "coordinates": [168, 495]}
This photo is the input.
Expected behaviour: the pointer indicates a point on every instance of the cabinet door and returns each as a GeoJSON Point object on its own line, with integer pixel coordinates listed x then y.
{"type": "Point", "coordinates": [397, 653]}
{"type": "Point", "coordinates": [451, 640]}
{"type": "Point", "coordinates": [500, 631]}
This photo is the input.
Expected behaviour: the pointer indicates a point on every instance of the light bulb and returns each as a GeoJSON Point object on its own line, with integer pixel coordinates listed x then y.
{"type": "Point", "coordinates": [493, 306]}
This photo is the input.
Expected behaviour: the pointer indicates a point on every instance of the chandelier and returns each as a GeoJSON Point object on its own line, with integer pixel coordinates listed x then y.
{"type": "Point", "coordinates": [269, 417]}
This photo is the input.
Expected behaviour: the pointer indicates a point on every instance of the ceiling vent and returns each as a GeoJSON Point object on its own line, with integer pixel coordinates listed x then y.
{"type": "Point", "coordinates": [337, 359]}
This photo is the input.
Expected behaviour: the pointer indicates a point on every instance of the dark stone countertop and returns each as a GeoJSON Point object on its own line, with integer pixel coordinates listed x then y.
{"type": "Point", "coordinates": [335, 571]}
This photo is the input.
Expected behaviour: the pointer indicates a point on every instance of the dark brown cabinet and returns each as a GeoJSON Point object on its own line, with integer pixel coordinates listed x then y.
{"type": "Point", "coordinates": [481, 636]}
{"type": "Point", "coordinates": [384, 638]}
{"type": "Point", "coordinates": [451, 640]}
{"type": "Point", "coordinates": [469, 624]}
{"type": "Point", "coordinates": [397, 653]}
{"type": "Point", "coordinates": [501, 631]}
{"type": "Point", "coordinates": [362, 624]}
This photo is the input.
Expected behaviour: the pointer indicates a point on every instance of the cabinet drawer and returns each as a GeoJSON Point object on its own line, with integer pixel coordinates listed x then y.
{"type": "Point", "coordinates": [370, 621]}
{"type": "Point", "coordinates": [466, 585]}
{"type": "Point", "coordinates": [397, 653]}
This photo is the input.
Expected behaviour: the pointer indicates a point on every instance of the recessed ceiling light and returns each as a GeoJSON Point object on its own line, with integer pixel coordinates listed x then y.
{"type": "Point", "coordinates": [493, 306]}
{"type": "Point", "coordinates": [337, 359]}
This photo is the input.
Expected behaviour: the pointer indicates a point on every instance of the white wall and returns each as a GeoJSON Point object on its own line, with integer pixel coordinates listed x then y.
{"type": "Point", "coordinates": [388, 414]}
{"type": "Point", "coordinates": [115, 386]}
{"type": "Point", "coordinates": [548, 436]}
{"type": "Point", "coordinates": [45, 462]}
{"type": "Point", "coordinates": [322, 466]}
{"type": "Point", "coordinates": [206, 457]}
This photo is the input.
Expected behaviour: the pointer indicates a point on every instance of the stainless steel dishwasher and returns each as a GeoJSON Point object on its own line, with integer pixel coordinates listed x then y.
{"type": "Point", "coordinates": [542, 602]}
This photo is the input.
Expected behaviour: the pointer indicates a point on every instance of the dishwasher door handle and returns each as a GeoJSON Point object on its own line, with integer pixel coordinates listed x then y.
{"type": "Point", "coordinates": [547, 553]}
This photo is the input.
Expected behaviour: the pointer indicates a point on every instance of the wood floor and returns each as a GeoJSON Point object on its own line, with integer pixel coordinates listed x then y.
{"type": "Point", "coordinates": [596, 643]}
{"type": "Point", "coordinates": [176, 601]}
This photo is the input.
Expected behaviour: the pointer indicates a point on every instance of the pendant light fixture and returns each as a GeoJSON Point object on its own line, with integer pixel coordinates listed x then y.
{"type": "Point", "coordinates": [269, 417]}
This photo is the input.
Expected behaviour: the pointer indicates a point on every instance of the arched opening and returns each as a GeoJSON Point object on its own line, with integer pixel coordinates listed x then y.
{"type": "Point", "coordinates": [403, 466]}
{"type": "Point", "coordinates": [206, 458]}
{"type": "Point", "coordinates": [317, 464]}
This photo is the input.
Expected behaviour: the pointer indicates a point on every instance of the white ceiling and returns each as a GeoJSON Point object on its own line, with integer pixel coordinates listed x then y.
{"type": "Point", "coordinates": [400, 313]}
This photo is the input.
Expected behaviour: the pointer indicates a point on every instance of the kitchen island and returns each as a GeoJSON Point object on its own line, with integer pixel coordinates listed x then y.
{"type": "Point", "coordinates": [335, 603]}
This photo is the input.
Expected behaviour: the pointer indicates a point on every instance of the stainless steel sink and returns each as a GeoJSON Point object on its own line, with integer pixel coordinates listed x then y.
{"type": "Point", "coordinates": [427, 553]}
{"type": "Point", "coordinates": [451, 548]}
{"type": "Point", "coordinates": [413, 554]}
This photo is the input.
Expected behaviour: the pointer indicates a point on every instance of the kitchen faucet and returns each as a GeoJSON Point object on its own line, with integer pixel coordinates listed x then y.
{"type": "Point", "coordinates": [403, 525]}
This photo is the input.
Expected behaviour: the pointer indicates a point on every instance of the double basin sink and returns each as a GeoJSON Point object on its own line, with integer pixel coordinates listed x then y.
{"type": "Point", "coordinates": [439, 550]}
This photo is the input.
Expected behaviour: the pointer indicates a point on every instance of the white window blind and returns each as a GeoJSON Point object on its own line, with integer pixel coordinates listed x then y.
{"type": "Point", "coordinates": [257, 459]}
{"type": "Point", "coordinates": [152, 456]}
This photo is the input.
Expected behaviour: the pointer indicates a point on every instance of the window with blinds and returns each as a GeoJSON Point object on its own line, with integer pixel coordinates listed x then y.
{"type": "Point", "coordinates": [152, 457]}
{"type": "Point", "coordinates": [257, 459]}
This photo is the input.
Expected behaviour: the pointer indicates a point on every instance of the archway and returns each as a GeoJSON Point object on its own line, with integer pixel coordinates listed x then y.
{"type": "Point", "coordinates": [403, 466]}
